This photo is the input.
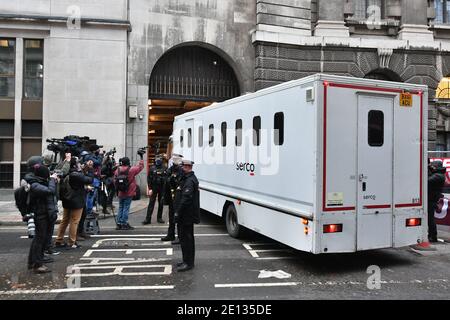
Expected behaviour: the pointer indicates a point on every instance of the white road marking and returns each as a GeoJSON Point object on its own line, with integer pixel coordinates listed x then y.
{"type": "Point", "coordinates": [169, 251]}
{"type": "Point", "coordinates": [96, 261]}
{"type": "Point", "coordinates": [325, 283]}
{"type": "Point", "coordinates": [68, 290]}
{"type": "Point", "coordinates": [248, 285]}
{"type": "Point", "coordinates": [99, 242]}
{"type": "Point", "coordinates": [119, 271]}
{"type": "Point", "coordinates": [255, 252]}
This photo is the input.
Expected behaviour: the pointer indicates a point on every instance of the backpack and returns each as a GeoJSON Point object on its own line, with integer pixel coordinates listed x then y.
{"type": "Point", "coordinates": [22, 196]}
{"type": "Point", "coordinates": [121, 180]}
{"type": "Point", "coordinates": [65, 190]}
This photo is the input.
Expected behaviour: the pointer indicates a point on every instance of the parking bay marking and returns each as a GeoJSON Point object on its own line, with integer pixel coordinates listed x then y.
{"type": "Point", "coordinates": [254, 252]}
{"type": "Point", "coordinates": [119, 270]}
{"type": "Point", "coordinates": [169, 251]}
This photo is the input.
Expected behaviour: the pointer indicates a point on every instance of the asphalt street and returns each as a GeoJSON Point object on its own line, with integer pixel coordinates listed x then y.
{"type": "Point", "coordinates": [137, 265]}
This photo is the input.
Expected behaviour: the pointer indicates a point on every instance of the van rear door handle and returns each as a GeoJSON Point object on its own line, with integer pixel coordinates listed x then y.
{"type": "Point", "coordinates": [364, 186]}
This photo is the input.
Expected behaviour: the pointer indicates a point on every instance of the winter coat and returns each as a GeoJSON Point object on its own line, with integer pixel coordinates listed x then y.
{"type": "Point", "coordinates": [133, 172]}
{"type": "Point", "coordinates": [43, 201]}
{"type": "Point", "coordinates": [77, 182]}
{"type": "Point", "coordinates": [187, 200]}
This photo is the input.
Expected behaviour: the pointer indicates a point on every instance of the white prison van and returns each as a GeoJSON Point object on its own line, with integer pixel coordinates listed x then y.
{"type": "Point", "coordinates": [324, 164]}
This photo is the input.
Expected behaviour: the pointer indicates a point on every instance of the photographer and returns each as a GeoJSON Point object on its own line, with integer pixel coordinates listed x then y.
{"type": "Point", "coordinates": [125, 180]}
{"type": "Point", "coordinates": [44, 207]}
{"type": "Point", "coordinates": [73, 196]}
{"type": "Point", "coordinates": [436, 181]}
{"type": "Point", "coordinates": [107, 175]}
{"type": "Point", "coordinates": [61, 170]}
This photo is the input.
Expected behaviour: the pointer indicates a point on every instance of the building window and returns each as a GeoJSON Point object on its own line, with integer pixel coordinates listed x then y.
{"type": "Point", "coordinates": [223, 130]}
{"type": "Point", "coordinates": [376, 128]}
{"type": "Point", "coordinates": [33, 69]}
{"type": "Point", "coordinates": [200, 136]}
{"type": "Point", "coordinates": [238, 133]}
{"type": "Point", "coordinates": [211, 135]}
{"type": "Point", "coordinates": [7, 67]}
{"type": "Point", "coordinates": [6, 153]}
{"type": "Point", "coordinates": [278, 124]}
{"type": "Point", "coordinates": [365, 9]}
{"type": "Point", "coordinates": [442, 11]}
{"type": "Point", "coordinates": [257, 131]}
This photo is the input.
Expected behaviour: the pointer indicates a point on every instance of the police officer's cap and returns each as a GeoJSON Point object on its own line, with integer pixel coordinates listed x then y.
{"type": "Point", "coordinates": [187, 163]}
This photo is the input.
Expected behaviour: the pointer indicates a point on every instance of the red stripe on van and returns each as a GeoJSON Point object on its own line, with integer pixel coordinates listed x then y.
{"type": "Point", "coordinates": [326, 84]}
{"type": "Point", "coordinates": [380, 206]}
{"type": "Point", "coordinates": [406, 205]}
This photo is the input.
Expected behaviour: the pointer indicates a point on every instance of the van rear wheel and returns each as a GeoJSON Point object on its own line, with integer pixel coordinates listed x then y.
{"type": "Point", "coordinates": [231, 221]}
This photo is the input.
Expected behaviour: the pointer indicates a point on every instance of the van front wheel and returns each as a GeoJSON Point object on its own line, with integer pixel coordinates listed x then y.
{"type": "Point", "coordinates": [231, 220]}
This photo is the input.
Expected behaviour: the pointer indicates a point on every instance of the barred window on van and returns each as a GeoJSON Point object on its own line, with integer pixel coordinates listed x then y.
{"type": "Point", "coordinates": [211, 135]}
{"type": "Point", "coordinates": [238, 140]}
{"type": "Point", "coordinates": [278, 124]}
{"type": "Point", "coordinates": [200, 136]}
{"type": "Point", "coordinates": [189, 137]}
{"type": "Point", "coordinates": [223, 129]}
{"type": "Point", "coordinates": [257, 131]}
{"type": "Point", "coordinates": [376, 128]}
{"type": "Point", "coordinates": [181, 138]}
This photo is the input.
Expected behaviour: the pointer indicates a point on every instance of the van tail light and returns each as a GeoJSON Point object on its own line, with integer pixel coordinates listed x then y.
{"type": "Point", "coordinates": [414, 222]}
{"type": "Point", "coordinates": [332, 228]}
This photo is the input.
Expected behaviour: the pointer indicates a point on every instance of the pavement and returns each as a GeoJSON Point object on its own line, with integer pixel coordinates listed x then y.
{"type": "Point", "coordinates": [10, 216]}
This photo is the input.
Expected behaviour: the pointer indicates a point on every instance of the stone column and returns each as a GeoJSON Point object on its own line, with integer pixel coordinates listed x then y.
{"type": "Point", "coordinates": [18, 112]}
{"type": "Point", "coordinates": [331, 19]}
{"type": "Point", "coordinates": [414, 23]}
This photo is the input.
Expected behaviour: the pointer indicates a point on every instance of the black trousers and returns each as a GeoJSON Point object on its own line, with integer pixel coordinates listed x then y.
{"type": "Point", "coordinates": [432, 229]}
{"type": "Point", "coordinates": [151, 205]}
{"type": "Point", "coordinates": [37, 247]}
{"type": "Point", "coordinates": [171, 230]}
{"type": "Point", "coordinates": [104, 200]}
{"type": "Point", "coordinates": [187, 243]}
{"type": "Point", "coordinates": [50, 231]}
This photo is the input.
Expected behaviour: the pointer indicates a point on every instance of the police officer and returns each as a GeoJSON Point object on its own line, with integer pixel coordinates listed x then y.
{"type": "Point", "coordinates": [436, 181]}
{"type": "Point", "coordinates": [187, 212]}
{"type": "Point", "coordinates": [155, 184]}
{"type": "Point", "coordinates": [173, 176]}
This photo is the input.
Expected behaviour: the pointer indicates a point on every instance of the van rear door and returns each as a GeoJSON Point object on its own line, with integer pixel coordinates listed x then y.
{"type": "Point", "coordinates": [374, 172]}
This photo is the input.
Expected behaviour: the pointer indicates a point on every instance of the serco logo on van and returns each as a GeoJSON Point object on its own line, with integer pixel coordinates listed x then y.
{"type": "Point", "coordinates": [247, 167]}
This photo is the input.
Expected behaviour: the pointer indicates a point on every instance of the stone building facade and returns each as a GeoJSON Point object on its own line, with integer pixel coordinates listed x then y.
{"type": "Point", "coordinates": [101, 60]}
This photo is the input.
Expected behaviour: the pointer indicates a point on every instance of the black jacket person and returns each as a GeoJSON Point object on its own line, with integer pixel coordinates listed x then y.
{"type": "Point", "coordinates": [187, 212]}
{"type": "Point", "coordinates": [155, 184]}
{"type": "Point", "coordinates": [173, 178]}
{"type": "Point", "coordinates": [44, 207]}
{"type": "Point", "coordinates": [436, 181]}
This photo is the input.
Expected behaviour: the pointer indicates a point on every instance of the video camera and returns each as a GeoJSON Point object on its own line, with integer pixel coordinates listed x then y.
{"type": "Point", "coordinates": [111, 152]}
{"type": "Point", "coordinates": [71, 144]}
{"type": "Point", "coordinates": [142, 151]}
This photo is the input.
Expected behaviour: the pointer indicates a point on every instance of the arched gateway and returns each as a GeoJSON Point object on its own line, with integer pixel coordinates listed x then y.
{"type": "Point", "coordinates": [185, 78]}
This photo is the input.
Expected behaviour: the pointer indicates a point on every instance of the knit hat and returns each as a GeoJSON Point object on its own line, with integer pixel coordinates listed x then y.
{"type": "Point", "coordinates": [125, 161]}
{"type": "Point", "coordinates": [41, 171]}
{"type": "Point", "coordinates": [47, 158]}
